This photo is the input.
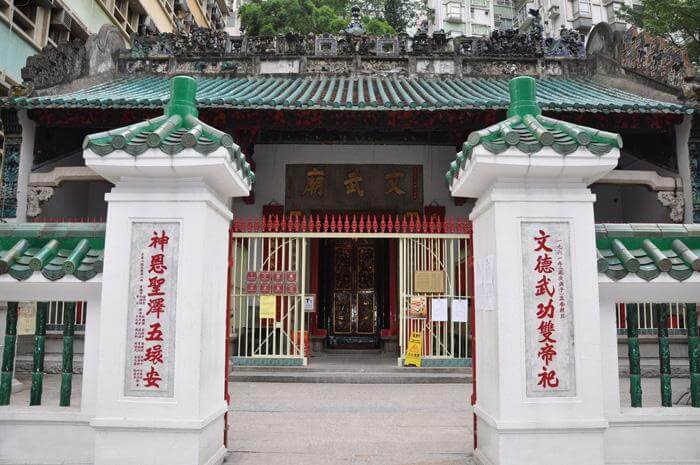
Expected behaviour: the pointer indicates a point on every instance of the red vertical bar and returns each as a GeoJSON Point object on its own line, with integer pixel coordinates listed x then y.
{"type": "Point", "coordinates": [472, 319]}
{"type": "Point", "coordinates": [227, 363]}
{"type": "Point", "coordinates": [313, 285]}
{"type": "Point", "coordinates": [393, 281]}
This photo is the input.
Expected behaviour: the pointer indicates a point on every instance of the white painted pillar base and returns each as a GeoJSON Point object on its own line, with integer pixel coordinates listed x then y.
{"type": "Point", "coordinates": [512, 428]}
{"type": "Point", "coordinates": [187, 428]}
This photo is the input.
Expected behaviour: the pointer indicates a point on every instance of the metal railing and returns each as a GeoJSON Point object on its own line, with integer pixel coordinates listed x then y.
{"type": "Point", "coordinates": [267, 314]}
{"type": "Point", "coordinates": [662, 315]}
{"type": "Point", "coordinates": [68, 317]}
{"type": "Point", "coordinates": [444, 330]}
{"type": "Point", "coordinates": [648, 321]}
{"type": "Point", "coordinates": [56, 317]}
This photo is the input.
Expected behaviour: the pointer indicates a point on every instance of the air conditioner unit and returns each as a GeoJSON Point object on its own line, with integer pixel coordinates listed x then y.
{"type": "Point", "coordinates": [61, 19]}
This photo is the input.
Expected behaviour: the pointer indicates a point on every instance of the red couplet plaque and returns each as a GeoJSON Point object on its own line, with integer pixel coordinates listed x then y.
{"type": "Point", "coordinates": [290, 276]}
{"type": "Point", "coordinates": [251, 288]}
{"type": "Point", "coordinates": [278, 276]}
{"type": "Point", "coordinates": [265, 288]}
{"type": "Point", "coordinates": [265, 276]}
{"type": "Point", "coordinates": [278, 288]}
{"type": "Point", "coordinates": [291, 288]}
{"type": "Point", "coordinates": [251, 276]}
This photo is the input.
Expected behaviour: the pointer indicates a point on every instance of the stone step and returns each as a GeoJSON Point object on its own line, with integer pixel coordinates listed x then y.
{"type": "Point", "coordinates": [300, 375]}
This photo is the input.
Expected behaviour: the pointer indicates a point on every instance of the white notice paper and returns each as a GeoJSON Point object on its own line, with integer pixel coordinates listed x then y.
{"type": "Point", "coordinates": [459, 310]}
{"type": "Point", "coordinates": [439, 309]}
{"type": "Point", "coordinates": [485, 283]}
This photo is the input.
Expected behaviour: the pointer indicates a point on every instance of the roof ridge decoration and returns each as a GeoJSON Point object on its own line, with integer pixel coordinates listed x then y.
{"type": "Point", "coordinates": [179, 128]}
{"type": "Point", "coordinates": [528, 131]}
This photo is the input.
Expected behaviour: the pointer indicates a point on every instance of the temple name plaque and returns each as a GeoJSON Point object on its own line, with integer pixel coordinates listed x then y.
{"type": "Point", "coordinates": [549, 317]}
{"type": "Point", "coordinates": [150, 350]}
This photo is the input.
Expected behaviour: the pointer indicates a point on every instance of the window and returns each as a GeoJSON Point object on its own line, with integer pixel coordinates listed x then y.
{"type": "Point", "coordinates": [582, 7]}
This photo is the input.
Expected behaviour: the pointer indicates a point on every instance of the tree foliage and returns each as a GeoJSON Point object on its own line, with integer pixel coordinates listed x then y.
{"type": "Point", "coordinates": [271, 17]}
{"type": "Point", "coordinates": [677, 21]}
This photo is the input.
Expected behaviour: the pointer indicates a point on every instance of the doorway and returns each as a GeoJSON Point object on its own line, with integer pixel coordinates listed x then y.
{"type": "Point", "coordinates": [354, 284]}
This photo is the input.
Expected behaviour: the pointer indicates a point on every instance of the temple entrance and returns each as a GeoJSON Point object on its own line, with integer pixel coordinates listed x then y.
{"type": "Point", "coordinates": [355, 290]}
{"type": "Point", "coordinates": [300, 285]}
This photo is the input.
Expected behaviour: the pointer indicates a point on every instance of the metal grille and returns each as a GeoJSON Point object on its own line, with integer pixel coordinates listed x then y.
{"type": "Point", "coordinates": [255, 337]}
{"type": "Point", "coordinates": [448, 254]}
{"type": "Point", "coordinates": [55, 320]}
{"type": "Point", "coordinates": [646, 316]}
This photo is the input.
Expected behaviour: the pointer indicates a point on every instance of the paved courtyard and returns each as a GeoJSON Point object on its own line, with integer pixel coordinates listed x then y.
{"type": "Point", "coordinates": [329, 424]}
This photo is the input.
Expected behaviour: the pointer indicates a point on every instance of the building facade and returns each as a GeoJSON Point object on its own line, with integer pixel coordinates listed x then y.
{"type": "Point", "coordinates": [580, 15]}
{"type": "Point", "coordinates": [199, 200]}
{"type": "Point", "coordinates": [477, 18]}
{"type": "Point", "coordinates": [345, 132]}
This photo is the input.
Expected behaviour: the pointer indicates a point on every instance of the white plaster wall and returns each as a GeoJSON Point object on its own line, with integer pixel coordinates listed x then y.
{"type": "Point", "coordinates": [271, 161]}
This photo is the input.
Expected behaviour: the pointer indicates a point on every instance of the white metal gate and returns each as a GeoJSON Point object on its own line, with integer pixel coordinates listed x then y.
{"type": "Point", "coordinates": [279, 244]}
{"type": "Point", "coordinates": [444, 336]}
{"type": "Point", "coordinates": [254, 336]}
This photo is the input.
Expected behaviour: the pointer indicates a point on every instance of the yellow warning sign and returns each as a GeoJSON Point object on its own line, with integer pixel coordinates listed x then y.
{"type": "Point", "coordinates": [414, 349]}
{"type": "Point", "coordinates": [268, 307]}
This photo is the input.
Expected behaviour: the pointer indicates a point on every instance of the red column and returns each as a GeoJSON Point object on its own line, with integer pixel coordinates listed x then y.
{"type": "Point", "coordinates": [313, 287]}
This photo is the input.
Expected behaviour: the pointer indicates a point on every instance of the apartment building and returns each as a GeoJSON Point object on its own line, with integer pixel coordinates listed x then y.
{"type": "Point", "coordinates": [471, 17]}
{"type": "Point", "coordinates": [581, 15]}
{"type": "Point", "coordinates": [27, 26]}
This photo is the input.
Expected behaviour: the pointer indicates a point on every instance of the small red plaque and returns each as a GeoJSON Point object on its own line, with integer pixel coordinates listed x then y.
{"type": "Point", "coordinates": [265, 288]}
{"type": "Point", "coordinates": [265, 276]}
{"type": "Point", "coordinates": [290, 276]}
{"type": "Point", "coordinates": [291, 288]}
{"type": "Point", "coordinates": [278, 276]}
{"type": "Point", "coordinates": [278, 288]}
{"type": "Point", "coordinates": [251, 276]}
{"type": "Point", "coordinates": [251, 288]}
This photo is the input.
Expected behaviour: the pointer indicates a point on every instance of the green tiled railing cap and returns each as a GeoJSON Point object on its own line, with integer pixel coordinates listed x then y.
{"type": "Point", "coordinates": [53, 249]}
{"type": "Point", "coordinates": [179, 128]}
{"type": "Point", "coordinates": [647, 250]}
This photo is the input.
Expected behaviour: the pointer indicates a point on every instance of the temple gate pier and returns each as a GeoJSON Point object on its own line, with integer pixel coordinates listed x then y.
{"type": "Point", "coordinates": [538, 362]}
{"type": "Point", "coordinates": [165, 287]}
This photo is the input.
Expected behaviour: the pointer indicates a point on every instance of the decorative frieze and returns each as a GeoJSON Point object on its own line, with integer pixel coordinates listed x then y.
{"type": "Point", "coordinates": [655, 58]}
{"type": "Point", "coordinates": [35, 197]}
{"type": "Point", "coordinates": [674, 202]}
{"type": "Point", "coordinates": [9, 164]}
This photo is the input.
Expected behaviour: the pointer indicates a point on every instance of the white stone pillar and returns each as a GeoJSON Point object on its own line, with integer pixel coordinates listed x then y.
{"type": "Point", "coordinates": [683, 160]}
{"type": "Point", "coordinates": [534, 232]}
{"type": "Point", "coordinates": [26, 162]}
{"type": "Point", "coordinates": [609, 355]}
{"type": "Point", "coordinates": [188, 427]}
{"type": "Point", "coordinates": [88, 398]}
{"type": "Point", "coordinates": [513, 427]}
{"type": "Point", "coordinates": [162, 316]}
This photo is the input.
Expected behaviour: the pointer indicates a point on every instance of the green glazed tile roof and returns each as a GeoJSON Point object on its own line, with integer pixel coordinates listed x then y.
{"type": "Point", "coordinates": [648, 250]}
{"type": "Point", "coordinates": [178, 129]}
{"type": "Point", "coordinates": [53, 249]}
{"type": "Point", "coordinates": [528, 131]}
{"type": "Point", "coordinates": [368, 93]}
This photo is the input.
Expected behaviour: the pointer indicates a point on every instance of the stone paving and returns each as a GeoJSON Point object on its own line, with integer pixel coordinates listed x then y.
{"type": "Point", "coordinates": [365, 424]}
{"type": "Point", "coordinates": [323, 424]}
